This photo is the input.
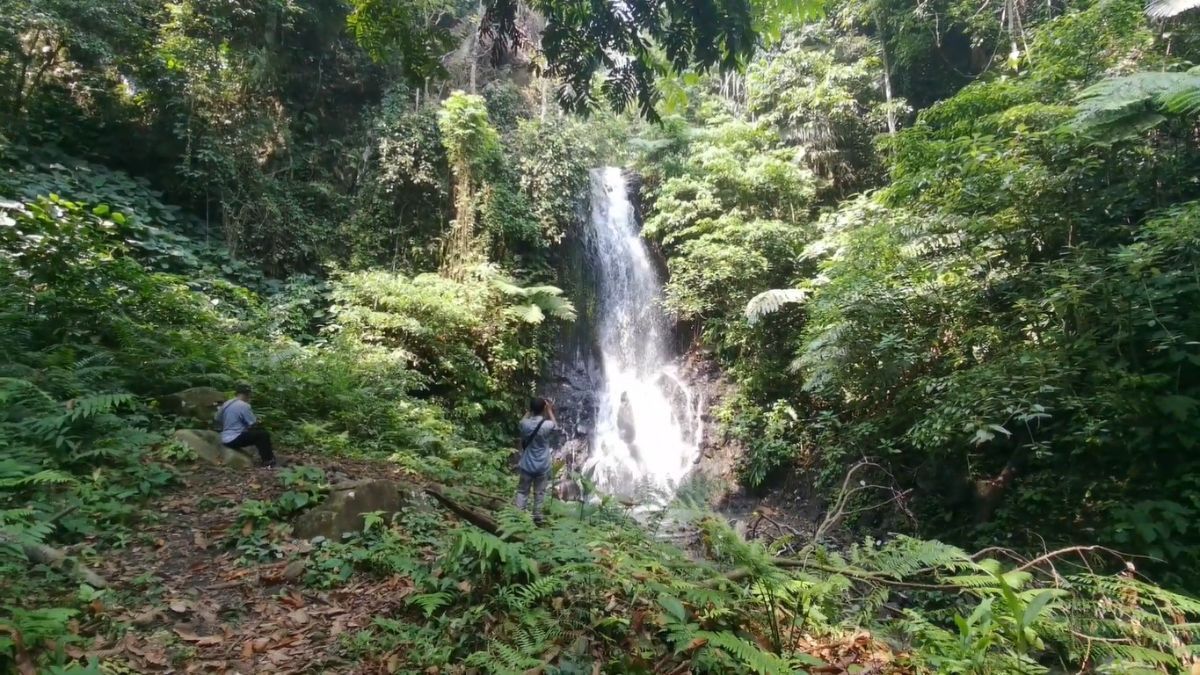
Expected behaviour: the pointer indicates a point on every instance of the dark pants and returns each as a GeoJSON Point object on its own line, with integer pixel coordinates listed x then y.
{"type": "Point", "coordinates": [538, 483]}
{"type": "Point", "coordinates": [260, 439]}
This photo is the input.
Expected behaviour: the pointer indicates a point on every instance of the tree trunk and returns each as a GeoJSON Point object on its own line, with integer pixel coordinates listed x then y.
{"type": "Point", "coordinates": [887, 75]}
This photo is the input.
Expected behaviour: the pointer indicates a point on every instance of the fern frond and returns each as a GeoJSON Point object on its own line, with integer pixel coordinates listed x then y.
{"type": "Point", "coordinates": [1165, 9]}
{"type": "Point", "coordinates": [769, 302]}
{"type": "Point", "coordinates": [520, 598]}
{"type": "Point", "coordinates": [530, 313]}
{"type": "Point", "coordinates": [748, 654]}
{"type": "Point", "coordinates": [431, 602]}
{"type": "Point", "coordinates": [1119, 106]}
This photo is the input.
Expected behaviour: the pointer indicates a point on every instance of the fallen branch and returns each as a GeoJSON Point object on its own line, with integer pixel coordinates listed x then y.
{"type": "Point", "coordinates": [1045, 559]}
{"type": "Point", "coordinates": [794, 563]}
{"type": "Point", "coordinates": [56, 559]}
{"type": "Point", "coordinates": [474, 516]}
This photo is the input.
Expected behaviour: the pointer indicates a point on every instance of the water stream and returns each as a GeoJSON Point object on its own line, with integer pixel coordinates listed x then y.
{"type": "Point", "coordinates": [647, 419]}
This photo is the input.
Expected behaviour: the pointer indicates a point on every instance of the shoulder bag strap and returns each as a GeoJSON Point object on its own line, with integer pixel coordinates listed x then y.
{"type": "Point", "coordinates": [529, 439]}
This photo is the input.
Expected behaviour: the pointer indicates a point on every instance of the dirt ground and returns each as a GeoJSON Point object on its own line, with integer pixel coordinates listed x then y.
{"type": "Point", "coordinates": [195, 607]}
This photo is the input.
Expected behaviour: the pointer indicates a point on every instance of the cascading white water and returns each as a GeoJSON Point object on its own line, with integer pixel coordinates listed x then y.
{"type": "Point", "coordinates": [648, 425]}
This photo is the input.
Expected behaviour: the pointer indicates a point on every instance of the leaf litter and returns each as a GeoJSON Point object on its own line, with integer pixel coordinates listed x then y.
{"type": "Point", "coordinates": [211, 612]}
{"type": "Point", "coordinates": [205, 610]}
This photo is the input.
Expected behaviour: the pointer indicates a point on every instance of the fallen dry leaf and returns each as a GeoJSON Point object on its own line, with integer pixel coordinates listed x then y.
{"type": "Point", "coordinates": [293, 600]}
{"type": "Point", "coordinates": [188, 635]}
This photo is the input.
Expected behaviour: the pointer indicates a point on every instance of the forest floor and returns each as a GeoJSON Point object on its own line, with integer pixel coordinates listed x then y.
{"type": "Point", "coordinates": [192, 604]}
{"type": "Point", "coordinates": [180, 599]}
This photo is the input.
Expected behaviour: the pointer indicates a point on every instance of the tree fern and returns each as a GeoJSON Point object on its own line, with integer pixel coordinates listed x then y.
{"type": "Point", "coordinates": [540, 300]}
{"type": "Point", "coordinates": [769, 302]}
{"type": "Point", "coordinates": [1120, 106]}
{"type": "Point", "coordinates": [1165, 9]}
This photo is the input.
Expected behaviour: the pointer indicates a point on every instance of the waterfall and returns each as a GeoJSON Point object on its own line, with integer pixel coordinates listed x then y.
{"type": "Point", "coordinates": [647, 421]}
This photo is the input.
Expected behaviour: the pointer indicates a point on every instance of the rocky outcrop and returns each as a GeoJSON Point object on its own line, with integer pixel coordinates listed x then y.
{"type": "Point", "coordinates": [717, 464]}
{"type": "Point", "coordinates": [208, 448]}
{"type": "Point", "coordinates": [345, 510]}
{"type": "Point", "coordinates": [199, 403]}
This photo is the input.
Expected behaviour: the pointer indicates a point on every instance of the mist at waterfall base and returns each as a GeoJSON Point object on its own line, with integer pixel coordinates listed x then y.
{"type": "Point", "coordinates": [647, 419]}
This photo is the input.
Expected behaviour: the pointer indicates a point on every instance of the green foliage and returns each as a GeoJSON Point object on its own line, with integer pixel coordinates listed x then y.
{"type": "Point", "coordinates": [471, 141]}
{"type": "Point", "coordinates": [462, 337]}
{"type": "Point", "coordinates": [819, 91]}
{"type": "Point", "coordinates": [727, 222]}
{"type": "Point", "coordinates": [1011, 312]}
{"type": "Point", "coordinates": [1131, 104]}
{"type": "Point", "coordinates": [403, 34]}
{"type": "Point", "coordinates": [631, 49]}
{"type": "Point", "coordinates": [1012, 308]}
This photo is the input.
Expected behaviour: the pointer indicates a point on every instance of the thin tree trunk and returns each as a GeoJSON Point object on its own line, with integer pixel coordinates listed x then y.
{"type": "Point", "coordinates": [545, 96]}
{"type": "Point", "coordinates": [26, 62]}
{"type": "Point", "coordinates": [475, 45]}
{"type": "Point", "coordinates": [887, 75]}
{"type": "Point", "coordinates": [1010, 8]}
{"type": "Point", "coordinates": [474, 60]}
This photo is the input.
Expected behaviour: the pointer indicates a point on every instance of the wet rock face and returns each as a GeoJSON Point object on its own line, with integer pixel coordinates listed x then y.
{"type": "Point", "coordinates": [717, 464]}
{"type": "Point", "coordinates": [572, 387]}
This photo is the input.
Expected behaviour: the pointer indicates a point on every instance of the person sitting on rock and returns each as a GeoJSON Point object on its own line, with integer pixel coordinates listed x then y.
{"type": "Point", "coordinates": [534, 466]}
{"type": "Point", "coordinates": [239, 427]}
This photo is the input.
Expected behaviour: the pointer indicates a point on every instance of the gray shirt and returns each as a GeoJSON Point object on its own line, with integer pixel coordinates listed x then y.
{"type": "Point", "coordinates": [535, 458]}
{"type": "Point", "coordinates": [234, 418]}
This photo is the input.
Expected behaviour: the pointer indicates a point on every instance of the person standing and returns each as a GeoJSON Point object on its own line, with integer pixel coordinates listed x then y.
{"type": "Point", "coordinates": [239, 427]}
{"type": "Point", "coordinates": [533, 468]}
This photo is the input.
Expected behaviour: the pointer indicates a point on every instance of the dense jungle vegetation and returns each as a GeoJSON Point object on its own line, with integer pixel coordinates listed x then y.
{"type": "Point", "coordinates": [945, 252]}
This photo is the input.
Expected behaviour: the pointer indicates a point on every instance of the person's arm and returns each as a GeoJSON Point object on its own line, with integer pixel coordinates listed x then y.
{"type": "Point", "coordinates": [550, 411]}
{"type": "Point", "coordinates": [248, 416]}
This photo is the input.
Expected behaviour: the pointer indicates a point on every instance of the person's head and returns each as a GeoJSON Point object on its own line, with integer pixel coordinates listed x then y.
{"type": "Point", "coordinates": [537, 406]}
{"type": "Point", "coordinates": [242, 391]}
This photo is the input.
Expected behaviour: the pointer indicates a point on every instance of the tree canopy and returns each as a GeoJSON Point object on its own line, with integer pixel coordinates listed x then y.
{"type": "Point", "coordinates": [934, 268]}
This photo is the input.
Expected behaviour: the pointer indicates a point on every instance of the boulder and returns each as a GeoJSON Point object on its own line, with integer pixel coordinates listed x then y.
{"type": "Point", "coordinates": [573, 452]}
{"type": "Point", "coordinates": [345, 509]}
{"type": "Point", "coordinates": [200, 403]}
{"type": "Point", "coordinates": [568, 490]}
{"type": "Point", "coordinates": [208, 447]}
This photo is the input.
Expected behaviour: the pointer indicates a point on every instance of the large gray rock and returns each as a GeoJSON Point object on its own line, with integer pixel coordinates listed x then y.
{"type": "Point", "coordinates": [208, 447]}
{"type": "Point", "coordinates": [346, 507]}
{"type": "Point", "coordinates": [200, 403]}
